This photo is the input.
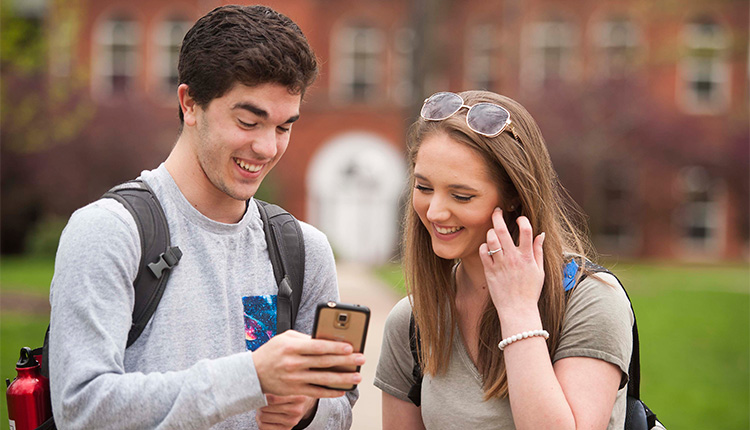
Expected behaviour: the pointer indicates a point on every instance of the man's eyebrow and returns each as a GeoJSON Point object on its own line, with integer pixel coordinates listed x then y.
{"type": "Point", "coordinates": [252, 109]}
{"type": "Point", "coordinates": [260, 112]}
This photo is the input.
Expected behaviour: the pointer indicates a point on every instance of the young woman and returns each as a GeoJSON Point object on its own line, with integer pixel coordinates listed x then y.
{"type": "Point", "coordinates": [501, 344]}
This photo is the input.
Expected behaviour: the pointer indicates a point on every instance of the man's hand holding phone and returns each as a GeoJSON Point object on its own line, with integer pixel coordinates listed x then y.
{"type": "Point", "coordinates": [290, 363]}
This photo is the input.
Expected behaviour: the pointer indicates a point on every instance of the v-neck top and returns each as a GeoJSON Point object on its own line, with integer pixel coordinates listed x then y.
{"type": "Point", "coordinates": [597, 324]}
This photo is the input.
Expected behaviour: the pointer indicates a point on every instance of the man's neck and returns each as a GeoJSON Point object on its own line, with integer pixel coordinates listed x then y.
{"type": "Point", "coordinates": [193, 183]}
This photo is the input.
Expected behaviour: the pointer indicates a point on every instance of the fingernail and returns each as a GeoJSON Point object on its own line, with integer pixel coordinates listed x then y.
{"type": "Point", "coordinates": [348, 349]}
{"type": "Point", "coordinates": [360, 360]}
{"type": "Point", "coordinates": [357, 378]}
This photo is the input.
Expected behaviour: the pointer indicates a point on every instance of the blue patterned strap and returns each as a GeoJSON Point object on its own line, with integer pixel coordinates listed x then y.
{"type": "Point", "coordinates": [569, 275]}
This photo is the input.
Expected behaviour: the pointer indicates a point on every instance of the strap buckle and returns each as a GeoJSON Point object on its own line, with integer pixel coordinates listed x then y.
{"type": "Point", "coordinates": [167, 260]}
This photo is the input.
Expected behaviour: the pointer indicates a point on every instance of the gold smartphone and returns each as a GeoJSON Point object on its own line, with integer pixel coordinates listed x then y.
{"type": "Point", "coordinates": [344, 323]}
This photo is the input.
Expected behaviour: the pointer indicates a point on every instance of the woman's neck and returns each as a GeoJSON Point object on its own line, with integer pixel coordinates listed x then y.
{"type": "Point", "coordinates": [470, 278]}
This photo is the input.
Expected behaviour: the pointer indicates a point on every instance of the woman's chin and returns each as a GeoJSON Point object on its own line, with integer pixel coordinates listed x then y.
{"type": "Point", "coordinates": [446, 254]}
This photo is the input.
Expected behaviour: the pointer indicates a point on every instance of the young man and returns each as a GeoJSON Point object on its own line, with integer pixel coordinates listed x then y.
{"type": "Point", "coordinates": [243, 71]}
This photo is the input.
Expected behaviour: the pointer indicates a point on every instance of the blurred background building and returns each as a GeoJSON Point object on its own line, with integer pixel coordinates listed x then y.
{"type": "Point", "coordinates": [644, 106]}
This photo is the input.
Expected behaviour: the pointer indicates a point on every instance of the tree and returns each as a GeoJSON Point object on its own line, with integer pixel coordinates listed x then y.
{"type": "Point", "coordinates": [43, 104]}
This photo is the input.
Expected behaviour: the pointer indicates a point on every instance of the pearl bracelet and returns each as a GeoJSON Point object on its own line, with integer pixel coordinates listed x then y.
{"type": "Point", "coordinates": [525, 335]}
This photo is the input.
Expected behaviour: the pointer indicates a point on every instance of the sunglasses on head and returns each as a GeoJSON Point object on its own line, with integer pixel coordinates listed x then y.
{"type": "Point", "coordinates": [487, 119]}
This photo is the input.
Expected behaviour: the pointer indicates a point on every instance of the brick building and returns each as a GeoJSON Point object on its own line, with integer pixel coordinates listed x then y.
{"type": "Point", "coordinates": [644, 106]}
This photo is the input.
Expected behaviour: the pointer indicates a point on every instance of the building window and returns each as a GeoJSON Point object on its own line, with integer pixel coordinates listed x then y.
{"type": "Point", "coordinates": [705, 71]}
{"type": "Point", "coordinates": [617, 40]}
{"type": "Point", "coordinates": [405, 43]}
{"type": "Point", "coordinates": [481, 51]}
{"type": "Point", "coordinates": [700, 218]}
{"type": "Point", "coordinates": [552, 53]}
{"type": "Point", "coordinates": [117, 61]}
{"type": "Point", "coordinates": [169, 37]}
{"type": "Point", "coordinates": [359, 68]}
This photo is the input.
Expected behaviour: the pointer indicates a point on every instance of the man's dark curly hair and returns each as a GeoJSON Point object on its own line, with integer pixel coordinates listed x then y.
{"type": "Point", "coordinates": [251, 45]}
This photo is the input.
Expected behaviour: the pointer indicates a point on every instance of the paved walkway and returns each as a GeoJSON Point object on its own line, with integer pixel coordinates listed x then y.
{"type": "Point", "coordinates": [358, 286]}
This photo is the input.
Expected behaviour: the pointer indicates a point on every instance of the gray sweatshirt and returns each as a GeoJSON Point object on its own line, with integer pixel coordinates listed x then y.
{"type": "Point", "coordinates": [190, 368]}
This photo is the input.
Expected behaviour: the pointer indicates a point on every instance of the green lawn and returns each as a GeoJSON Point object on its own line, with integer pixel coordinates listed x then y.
{"type": "Point", "coordinates": [27, 275]}
{"type": "Point", "coordinates": [694, 324]}
{"type": "Point", "coordinates": [32, 277]}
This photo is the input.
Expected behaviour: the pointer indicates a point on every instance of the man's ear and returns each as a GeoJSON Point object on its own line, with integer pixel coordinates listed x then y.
{"type": "Point", "coordinates": [187, 104]}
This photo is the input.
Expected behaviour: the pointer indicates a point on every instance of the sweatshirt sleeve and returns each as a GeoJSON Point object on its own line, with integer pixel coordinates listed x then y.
{"type": "Point", "coordinates": [321, 286]}
{"type": "Point", "coordinates": [92, 300]}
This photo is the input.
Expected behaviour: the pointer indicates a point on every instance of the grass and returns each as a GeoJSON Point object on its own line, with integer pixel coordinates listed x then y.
{"type": "Point", "coordinates": [27, 275]}
{"type": "Point", "coordinates": [30, 276]}
{"type": "Point", "coordinates": [694, 324]}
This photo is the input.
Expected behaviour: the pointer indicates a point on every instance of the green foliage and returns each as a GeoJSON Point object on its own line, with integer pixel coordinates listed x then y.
{"type": "Point", "coordinates": [31, 47]}
{"type": "Point", "coordinates": [694, 328]}
{"type": "Point", "coordinates": [44, 237]}
{"type": "Point", "coordinates": [21, 41]}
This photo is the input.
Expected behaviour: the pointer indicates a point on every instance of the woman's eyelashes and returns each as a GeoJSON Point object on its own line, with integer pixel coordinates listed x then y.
{"type": "Point", "coordinates": [459, 197]}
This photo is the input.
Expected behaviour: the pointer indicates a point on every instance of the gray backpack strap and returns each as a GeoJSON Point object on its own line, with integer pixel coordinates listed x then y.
{"type": "Point", "coordinates": [157, 256]}
{"type": "Point", "coordinates": [286, 249]}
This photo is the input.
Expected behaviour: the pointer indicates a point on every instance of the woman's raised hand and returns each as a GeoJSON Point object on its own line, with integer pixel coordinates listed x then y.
{"type": "Point", "coordinates": [515, 274]}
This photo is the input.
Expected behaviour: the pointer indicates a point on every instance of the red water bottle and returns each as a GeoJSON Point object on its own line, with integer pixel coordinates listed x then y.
{"type": "Point", "coordinates": [28, 396]}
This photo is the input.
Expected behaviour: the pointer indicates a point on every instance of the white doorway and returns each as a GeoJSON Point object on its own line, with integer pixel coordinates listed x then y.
{"type": "Point", "coordinates": [355, 182]}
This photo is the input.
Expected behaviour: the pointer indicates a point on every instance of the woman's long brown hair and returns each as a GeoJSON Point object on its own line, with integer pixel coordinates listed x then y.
{"type": "Point", "coordinates": [527, 181]}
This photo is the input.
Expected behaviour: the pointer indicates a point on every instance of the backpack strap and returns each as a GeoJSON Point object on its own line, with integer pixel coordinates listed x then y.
{"type": "Point", "coordinates": [157, 256]}
{"type": "Point", "coordinates": [634, 370]}
{"type": "Point", "coordinates": [415, 392]}
{"type": "Point", "coordinates": [286, 249]}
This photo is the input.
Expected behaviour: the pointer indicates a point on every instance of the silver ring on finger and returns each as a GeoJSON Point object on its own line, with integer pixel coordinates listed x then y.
{"type": "Point", "coordinates": [494, 251]}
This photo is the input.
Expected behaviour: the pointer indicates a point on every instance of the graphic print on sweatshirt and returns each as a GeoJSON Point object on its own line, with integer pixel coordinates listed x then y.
{"type": "Point", "coordinates": [260, 320]}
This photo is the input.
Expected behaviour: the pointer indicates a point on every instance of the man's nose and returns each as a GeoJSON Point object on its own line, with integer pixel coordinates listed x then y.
{"type": "Point", "coordinates": [264, 144]}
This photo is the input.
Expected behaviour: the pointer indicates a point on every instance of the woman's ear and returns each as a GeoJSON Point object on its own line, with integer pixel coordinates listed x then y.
{"type": "Point", "coordinates": [514, 205]}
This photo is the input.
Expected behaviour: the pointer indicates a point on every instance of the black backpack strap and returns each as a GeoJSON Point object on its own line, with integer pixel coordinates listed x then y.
{"type": "Point", "coordinates": [286, 249]}
{"type": "Point", "coordinates": [415, 392]}
{"type": "Point", "coordinates": [634, 370]}
{"type": "Point", "coordinates": [157, 256]}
